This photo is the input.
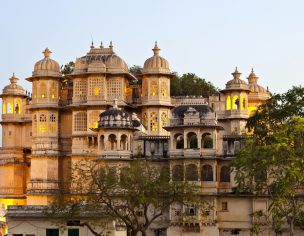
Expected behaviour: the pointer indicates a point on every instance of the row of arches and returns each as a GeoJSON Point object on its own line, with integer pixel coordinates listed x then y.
{"type": "Point", "coordinates": [45, 90]}
{"type": "Point", "coordinates": [191, 173]}
{"type": "Point", "coordinates": [114, 142]}
{"type": "Point", "coordinates": [11, 106]}
{"type": "Point", "coordinates": [192, 141]}
{"type": "Point", "coordinates": [236, 103]}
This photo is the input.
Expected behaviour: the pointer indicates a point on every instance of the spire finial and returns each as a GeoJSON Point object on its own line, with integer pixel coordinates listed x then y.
{"type": "Point", "coordinates": [92, 45]}
{"type": "Point", "coordinates": [13, 79]}
{"type": "Point", "coordinates": [252, 70]}
{"type": "Point", "coordinates": [236, 74]}
{"type": "Point", "coordinates": [47, 53]}
{"type": "Point", "coordinates": [156, 49]}
{"type": "Point", "coordinates": [252, 78]}
{"type": "Point", "coordinates": [111, 45]}
{"type": "Point", "coordinates": [101, 45]}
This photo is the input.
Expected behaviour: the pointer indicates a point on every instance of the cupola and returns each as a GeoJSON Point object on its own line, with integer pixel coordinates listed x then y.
{"type": "Point", "coordinates": [46, 66]}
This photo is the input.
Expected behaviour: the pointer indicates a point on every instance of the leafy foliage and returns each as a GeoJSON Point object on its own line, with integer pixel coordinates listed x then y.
{"type": "Point", "coordinates": [275, 170]}
{"type": "Point", "coordinates": [191, 84]}
{"type": "Point", "coordinates": [67, 68]}
{"type": "Point", "coordinates": [135, 195]}
{"type": "Point", "coordinates": [277, 110]}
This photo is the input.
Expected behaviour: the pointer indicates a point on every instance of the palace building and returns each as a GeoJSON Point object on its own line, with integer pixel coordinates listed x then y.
{"type": "Point", "coordinates": [101, 111]}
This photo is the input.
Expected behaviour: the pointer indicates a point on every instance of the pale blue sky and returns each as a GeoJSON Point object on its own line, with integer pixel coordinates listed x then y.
{"type": "Point", "coordinates": [208, 38]}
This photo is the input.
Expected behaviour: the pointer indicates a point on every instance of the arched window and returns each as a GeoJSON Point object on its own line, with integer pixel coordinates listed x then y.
{"type": "Point", "coordinates": [153, 89]}
{"type": "Point", "coordinates": [191, 140]}
{"type": "Point", "coordinates": [164, 119]}
{"type": "Point", "coordinates": [53, 124]}
{"type": "Point", "coordinates": [178, 141]}
{"type": "Point", "coordinates": [178, 173]}
{"type": "Point", "coordinates": [53, 90]}
{"type": "Point", "coordinates": [96, 86]}
{"type": "Point", "coordinates": [145, 120]}
{"type": "Point", "coordinates": [124, 142]}
{"type": "Point", "coordinates": [243, 102]}
{"type": "Point", "coordinates": [153, 121]}
{"type": "Point", "coordinates": [112, 142]}
{"type": "Point", "coordinates": [80, 121]}
{"type": "Point", "coordinates": [42, 90]}
{"type": "Point", "coordinates": [235, 103]}
{"type": "Point", "coordinates": [101, 142]}
{"type": "Point", "coordinates": [93, 119]}
{"type": "Point", "coordinates": [191, 172]}
{"type": "Point", "coordinates": [228, 103]}
{"type": "Point", "coordinates": [80, 88]}
{"type": "Point", "coordinates": [207, 141]}
{"type": "Point", "coordinates": [163, 89]}
{"type": "Point", "coordinates": [9, 109]}
{"type": "Point", "coordinates": [114, 88]}
{"type": "Point", "coordinates": [42, 123]}
{"type": "Point", "coordinates": [3, 107]}
{"type": "Point", "coordinates": [225, 174]}
{"type": "Point", "coordinates": [207, 173]}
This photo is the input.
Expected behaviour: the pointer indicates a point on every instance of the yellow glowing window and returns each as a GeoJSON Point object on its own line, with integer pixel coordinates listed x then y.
{"type": "Point", "coordinates": [154, 89]}
{"type": "Point", "coordinates": [42, 123]}
{"type": "Point", "coordinates": [96, 91]}
{"type": "Point", "coordinates": [93, 119]}
{"type": "Point", "coordinates": [145, 120]}
{"type": "Point", "coordinates": [164, 119]}
{"type": "Point", "coordinates": [42, 128]}
{"type": "Point", "coordinates": [228, 103]}
{"type": "Point", "coordinates": [153, 122]}
{"type": "Point", "coordinates": [243, 103]}
{"type": "Point", "coordinates": [3, 108]}
{"type": "Point", "coordinates": [163, 89]}
{"type": "Point", "coordinates": [251, 110]}
{"type": "Point", "coordinates": [235, 102]}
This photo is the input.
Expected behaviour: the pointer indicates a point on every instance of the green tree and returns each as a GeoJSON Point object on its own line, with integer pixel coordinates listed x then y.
{"type": "Point", "coordinates": [191, 84]}
{"type": "Point", "coordinates": [135, 70]}
{"type": "Point", "coordinates": [136, 195]}
{"type": "Point", "coordinates": [277, 110]}
{"type": "Point", "coordinates": [275, 170]}
{"type": "Point", "coordinates": [67, 68]}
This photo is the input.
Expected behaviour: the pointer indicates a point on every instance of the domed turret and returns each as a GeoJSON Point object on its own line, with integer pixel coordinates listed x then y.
{"type": "Point", "coordinates": [100, 60]}
{"type": "Point", "coordinates": [46, 66]}
{"type": "Point", "coordinates": [13, 88]}
{"type": "Point", "coordinates": [253, 85]}
{"type": "Point", "coordinates": [156, 63]}
{"type": "Point", "coordinates": [236, 82]}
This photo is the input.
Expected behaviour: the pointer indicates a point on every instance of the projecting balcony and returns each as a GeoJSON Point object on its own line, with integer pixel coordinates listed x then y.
{"type": "Point", "coordinates": [229, 114]}
{"type": "Point", "coordinates": [192, 152]}
{"type": "Point", "coordinates": [16, 117]}
{"type": "Point", "coordinates": [42, 186]}
{"type": "Point", "coordinates": [11, 191]}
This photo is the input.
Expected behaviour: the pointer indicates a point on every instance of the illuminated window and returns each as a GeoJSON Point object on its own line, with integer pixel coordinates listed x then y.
{"type": "Point", "coordinates": [80, 88]}
{"type": "Point", "coordinates": [9, 106]}
{"type": "Point", "coordinates": [53, 90]}
{"type": "Point", "coordinates": [3, 108]}
{"type": "Point", "coordinates": [235, 103]}
{"type": "Point", "coordinates": [53, 124]}
{"type": "Point", "coordinates": [145, 120]}
{"type": "Point", "coordinates": [42, 123]}
{"type": "Point", "coordinates": [18, 106]}
{"type": "Point", "coordinates": [80, 121]}
{"type": "Point", "coordinates": [164, 119]}
{"type": "Point", "coordinates": [154, 88]}
{"type": "Point", "coordinates": [163, 89]}
{"type": "Point", "coordinates": [228, 103]}
{"type": "Point", "coordinates": [153, 121]}
{"type": "Point", "coordinates": [93, 119]}
{"type": "Point", "coordinates": [95, 86]}
{"type": "Point", "coordinates": [42, 90]}
{"type": "Point", "coordinates": [243, 102]}
{"type": "Point", "coordinates": [114, 88]}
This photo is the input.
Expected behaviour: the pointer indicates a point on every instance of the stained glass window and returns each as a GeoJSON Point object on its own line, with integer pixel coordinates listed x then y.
{"type": "Point", "coordinates": [164, 119]}
{"type": "Point", "coordinates": [42, 123]}
{"type": "Point", "coordinates": [93, 119]}
{"type": "Point", "coordinates": [153, 121]}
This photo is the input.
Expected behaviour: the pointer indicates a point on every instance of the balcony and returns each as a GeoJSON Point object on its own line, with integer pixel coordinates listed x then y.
{"type": "Point", "coordinates": [16, 117]}
{"type": "Point", "coordinates": [11, 191]}
{"type": "Point", "coordinates": [42, 186]}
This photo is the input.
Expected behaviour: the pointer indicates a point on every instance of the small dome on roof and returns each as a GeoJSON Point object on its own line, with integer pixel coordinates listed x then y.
{"type": "Point", "coordinates": [156, 63]}
{"type": "Point", "coordinates": [100, 59]}
{"type": "Point", "coordinates": [13, 88]}
{"type": "Point", "coordinates": [47, 66]}
{"type": "Point", "coordinates": [115, 118]}
{"type": "Point", "coordinates": [253, 85]}
{"type": "Point", "coordinates": [236, 83]}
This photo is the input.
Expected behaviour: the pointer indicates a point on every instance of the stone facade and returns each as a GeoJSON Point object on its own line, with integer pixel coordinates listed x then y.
{"type": "Point", "coordinates": [100, 111]}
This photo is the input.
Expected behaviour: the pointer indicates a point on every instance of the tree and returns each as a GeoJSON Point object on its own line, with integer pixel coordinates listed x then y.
{"type": "Point", "coordinates": [190, 84]}
{"type": "Point", "coordinates": [136, 195]}
{"type": "Point", "coordinates": [135, 70]}
{"type": "Point", "coordinates": [275, 170]}
{"type": "Point", "coordinates": [277, 110]}
{"type": "Point", "coordinates": [67, 68]}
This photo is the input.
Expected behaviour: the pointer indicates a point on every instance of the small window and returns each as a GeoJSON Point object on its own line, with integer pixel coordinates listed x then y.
{"type": "Point", "coordinates": [9, 133]}
{"type": "Point", "coordinates": [224, 206]}
{"type": "Point", "coordinates": [178, 212]}
{"type": "Point", "coordinates": [73, 232]}
{"type": "Point", "coordinates": [52, 232]}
